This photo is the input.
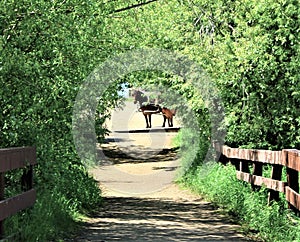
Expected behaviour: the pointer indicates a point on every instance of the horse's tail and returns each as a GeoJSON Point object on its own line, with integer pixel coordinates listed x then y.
{"type": "Point", "coordinates": [173, 111]}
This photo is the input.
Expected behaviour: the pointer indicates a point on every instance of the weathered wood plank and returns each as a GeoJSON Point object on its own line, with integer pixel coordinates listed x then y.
{"type": "Point", "coordinates": [259, 181]}
{"type": "Point", "coordinates": [265, 156]}
{"type": "Point", "coordinates": [292, 159]}
{"type": "Point", "coordinates": [17, 203]}
{"type": "Point", "coordinates": [292, 197]}
{"type": "Point", "coordinates": [14, 158]}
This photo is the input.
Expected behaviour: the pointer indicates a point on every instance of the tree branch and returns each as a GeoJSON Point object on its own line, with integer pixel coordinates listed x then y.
{"type": "Point", "coordinates": [132, 6]}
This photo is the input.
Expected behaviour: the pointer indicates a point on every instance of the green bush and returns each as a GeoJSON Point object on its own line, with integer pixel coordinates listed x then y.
{"type": "Point", "coordinates": [218, 184]}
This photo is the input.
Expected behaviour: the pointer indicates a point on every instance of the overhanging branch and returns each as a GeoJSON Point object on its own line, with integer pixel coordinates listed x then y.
{"type": "Point", "coordinates": [132, 6]}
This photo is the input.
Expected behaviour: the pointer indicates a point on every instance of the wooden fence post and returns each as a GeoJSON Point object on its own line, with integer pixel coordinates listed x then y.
{"type": "Point", "coordinates": [276, 175]}
{"type": "Point", "coordinates": [292, 178]}
{"type": "Point", "coordinates": [235, 163]}
{"type": "Point", "coordinates": [293, 182]}
{"type": "Point", "coordinates": [27, 179]}
{"type": "Point", "coordinates": [2, 184]}
{"type": "Point", "coordinates": [244, 166]}
{"type": "Point", "coordinates": [257, 170]}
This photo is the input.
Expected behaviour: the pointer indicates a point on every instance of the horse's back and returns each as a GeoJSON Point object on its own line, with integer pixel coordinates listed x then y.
{"type": "Point", "coordinates": [149, 107]}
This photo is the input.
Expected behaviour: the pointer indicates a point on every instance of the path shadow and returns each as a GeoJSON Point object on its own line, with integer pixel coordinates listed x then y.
{"type": "Point", "coordinates": [147, 219]}
{"type": "Point", "coordinates": [135, 154]}
{"type": "Point", "coordinates": [147, 130]}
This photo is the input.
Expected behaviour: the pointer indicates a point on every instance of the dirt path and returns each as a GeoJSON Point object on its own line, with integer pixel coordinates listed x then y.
{"type": "Point", "coordinates": [141, 202]}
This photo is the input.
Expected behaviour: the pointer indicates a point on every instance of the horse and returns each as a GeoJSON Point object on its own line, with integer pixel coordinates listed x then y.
{"type": "Point", "coordinates": [148, 110]}
{"type": "Point", "coordinates": [168, 115]}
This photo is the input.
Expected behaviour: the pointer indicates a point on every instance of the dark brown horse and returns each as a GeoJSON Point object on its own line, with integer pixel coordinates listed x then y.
{"type": "Point", "coordinates": [150, 109]}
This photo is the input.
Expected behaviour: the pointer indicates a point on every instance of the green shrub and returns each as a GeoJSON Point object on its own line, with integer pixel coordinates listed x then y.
{"type": "Point", "coordinates": [218, 184]}
{"type": "Point", "coordinates": [51, 214]}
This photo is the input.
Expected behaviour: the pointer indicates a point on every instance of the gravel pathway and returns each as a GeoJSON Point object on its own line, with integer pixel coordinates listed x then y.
{"type": "Point", "coordinates": [141, 201]}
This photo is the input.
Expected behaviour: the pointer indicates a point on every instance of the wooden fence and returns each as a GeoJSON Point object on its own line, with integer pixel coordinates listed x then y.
{"type": "Point", "coordinates": [11, 159]}
{"type": "Point", "coordinates": [243, 159]}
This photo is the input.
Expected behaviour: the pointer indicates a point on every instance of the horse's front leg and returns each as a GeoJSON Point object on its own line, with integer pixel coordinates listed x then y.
{"type": "Point", "coordinates": [146, 118]}
{"type": "Point", "coordinates": [150, 121]}
{"type": "Point", "coordinates": [164, 123]}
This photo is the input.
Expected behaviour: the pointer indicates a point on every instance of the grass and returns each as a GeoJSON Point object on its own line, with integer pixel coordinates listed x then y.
{"type": "Point", "coordinates": [58, 210]}
{"type": "Point", "coordinates": [218, 184]}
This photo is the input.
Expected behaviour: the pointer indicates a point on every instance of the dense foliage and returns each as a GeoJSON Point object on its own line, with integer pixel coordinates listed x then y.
{"type": "Point", "coordinates": [250, 50]}
{"type": "Point", "coordinates": [47, 50]}
{"type": "Point", "coordinates": [254, 57]}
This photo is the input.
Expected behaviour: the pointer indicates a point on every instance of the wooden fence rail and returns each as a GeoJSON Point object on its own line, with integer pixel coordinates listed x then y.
{"type": "Point", "coordinates": [288, 158]}
{"type": "Point", "coordinates": [11, 159]}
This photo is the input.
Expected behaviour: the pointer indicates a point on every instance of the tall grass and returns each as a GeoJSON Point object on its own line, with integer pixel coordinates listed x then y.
{"type": "Point", "coordinates": [50, 218]}
{"type": "Point", "coordinates": [218, 184]}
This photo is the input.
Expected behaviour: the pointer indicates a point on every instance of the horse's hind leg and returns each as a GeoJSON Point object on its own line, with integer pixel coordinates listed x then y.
{"type": "Point", "coordinates": [170, 121]}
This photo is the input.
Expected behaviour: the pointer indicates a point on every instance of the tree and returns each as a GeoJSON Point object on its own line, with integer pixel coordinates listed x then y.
{"type": "Point", "coordinates": [255, 53]}
{"type": "Point", "coordinates": [47, 50]}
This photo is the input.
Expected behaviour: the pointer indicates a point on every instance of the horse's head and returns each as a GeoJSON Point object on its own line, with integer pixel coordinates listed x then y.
{"type": "Point", "coordinates": [139, 97]}
{"type": "Point", "coordinates": [135, 97]}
